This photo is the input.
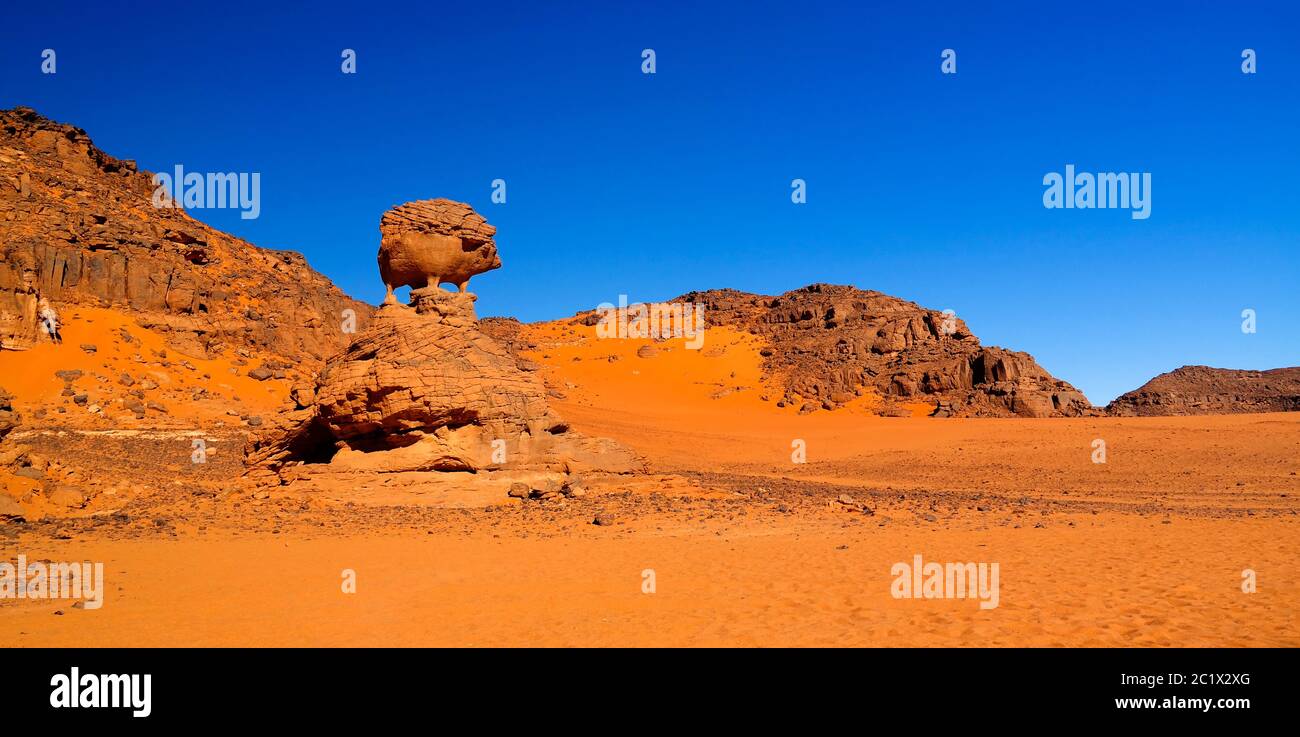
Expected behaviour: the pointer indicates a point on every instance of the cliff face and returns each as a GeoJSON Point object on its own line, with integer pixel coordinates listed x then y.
{"type": "Point", "coordinates": [79, 227]}
{"type": "Point", "coordinates": [828, 343]}
{"type": "Point", "coordinates": [1202, 390]}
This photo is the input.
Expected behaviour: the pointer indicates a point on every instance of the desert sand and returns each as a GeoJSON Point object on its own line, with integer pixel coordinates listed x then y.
{"type": "Point", "coordinates": [744, 545]}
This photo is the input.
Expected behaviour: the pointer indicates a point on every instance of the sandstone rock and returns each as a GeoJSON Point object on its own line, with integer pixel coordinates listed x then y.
{"type": "Point", "coordinates": [67, 496]}
{"type": "Point", "coordinates": [430, 242]}
{"type": "Point", "coordinates": [10, 508]}
{"type": "Point", "coordinates": [518, 490]}
{"type": "Point", "coordinates": [828, 343]}
{"type": "Point", "coordinates": [303, 395]}
{"type": "Point", "coordinates": [9, 419]}
{"type": "Point", "coordinates": [1202, 390]}
{"type": "Point", "coordinates": [424, 389]}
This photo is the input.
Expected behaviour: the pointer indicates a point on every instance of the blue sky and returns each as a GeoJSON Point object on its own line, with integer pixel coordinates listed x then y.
{"type": "Point", "coordinates": [922, 185]}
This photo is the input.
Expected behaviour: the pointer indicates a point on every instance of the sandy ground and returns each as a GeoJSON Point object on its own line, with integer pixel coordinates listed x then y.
{"type": "Point", "coordinates": [744, 545]}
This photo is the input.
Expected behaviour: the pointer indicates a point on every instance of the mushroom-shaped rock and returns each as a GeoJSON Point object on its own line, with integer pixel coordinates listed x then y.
{"type": "Point", "coordinates": [431, 242]}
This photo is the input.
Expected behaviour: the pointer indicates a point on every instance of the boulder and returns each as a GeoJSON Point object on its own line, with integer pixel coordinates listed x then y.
{"type": "Point", "coordinates": [431, 242]}
{"type": "Point", "coordinates": [9, 419]}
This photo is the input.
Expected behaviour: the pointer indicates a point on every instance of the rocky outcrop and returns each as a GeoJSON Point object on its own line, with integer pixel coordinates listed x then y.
{"type": "Point", "coordinates": [9, 419]}
{"type": "Point", "coordinates": [1202, 390]}
{"type": "Point", "coordinates": [829, 344]}
{"type": "Point", "coordinates": [431, 242]}
{"type": "Point", "coordinates": [421, 389]}
{"type": "Point", "coordinates": [80, 227]}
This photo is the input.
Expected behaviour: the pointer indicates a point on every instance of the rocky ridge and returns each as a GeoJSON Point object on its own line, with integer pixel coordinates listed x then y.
{"type": "Point", "coordinates": [829, 344]}
{"type": "Point", "coordinates": [79, 226]}
{"type": "Point", "coordinates": [1202, 390]}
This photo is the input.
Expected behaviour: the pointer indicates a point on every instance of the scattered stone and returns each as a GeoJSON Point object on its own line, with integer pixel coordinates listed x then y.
{"type": "Point", "coordinates": [574, 489]}
{"type": "Point", "coordinates": [67, 496]}
{"type": "Point", "coordinates": [9, 508]}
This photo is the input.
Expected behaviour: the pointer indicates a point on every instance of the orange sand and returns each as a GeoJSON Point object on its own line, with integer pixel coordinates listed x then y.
{"type": "Point", "coordinates": [1146, 549]}
{"type": "Point", "coordinates": [29, 375]}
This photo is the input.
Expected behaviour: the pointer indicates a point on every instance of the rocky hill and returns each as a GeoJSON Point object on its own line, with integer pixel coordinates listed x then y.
{"type": "Point", "coordinates": [830, 343]}
{"type": "Point", "coordinates": [79, 227]}
{"type": "Point", "coordinates": [1202, 390]}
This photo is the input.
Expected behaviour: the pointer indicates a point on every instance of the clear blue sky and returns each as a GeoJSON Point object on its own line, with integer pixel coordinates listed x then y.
{"type": "Point", "coordinates": [922, 185]}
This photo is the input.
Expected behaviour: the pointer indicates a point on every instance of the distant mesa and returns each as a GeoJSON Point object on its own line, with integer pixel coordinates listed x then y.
{"type": "Point", "coordinates": [1202, 390]}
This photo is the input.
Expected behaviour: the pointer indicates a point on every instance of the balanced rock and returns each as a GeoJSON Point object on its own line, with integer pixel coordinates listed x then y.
{"type": "Point", "coordinates": [422, 388]}
{"type": "Point", "coordinates": [431, 242]}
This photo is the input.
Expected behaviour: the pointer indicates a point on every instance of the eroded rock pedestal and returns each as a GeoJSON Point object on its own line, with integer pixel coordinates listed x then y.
{"type": "Point", "coordinates": [422, 389]}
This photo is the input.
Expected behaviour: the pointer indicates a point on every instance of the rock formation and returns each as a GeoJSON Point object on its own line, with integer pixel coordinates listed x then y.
{"type": "Point", "coordinates": [9, 419]}
{"type": "Point", "coordinates": [829, 344]}
{"type": "Point", "coordinates": [431, 242]}
{"type": "Point", "coordinates": [1202, 390]}
{"type": "Point", "coordinates": [424, 389]}
{"type": "Point", "coordinates": [80, 227]}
